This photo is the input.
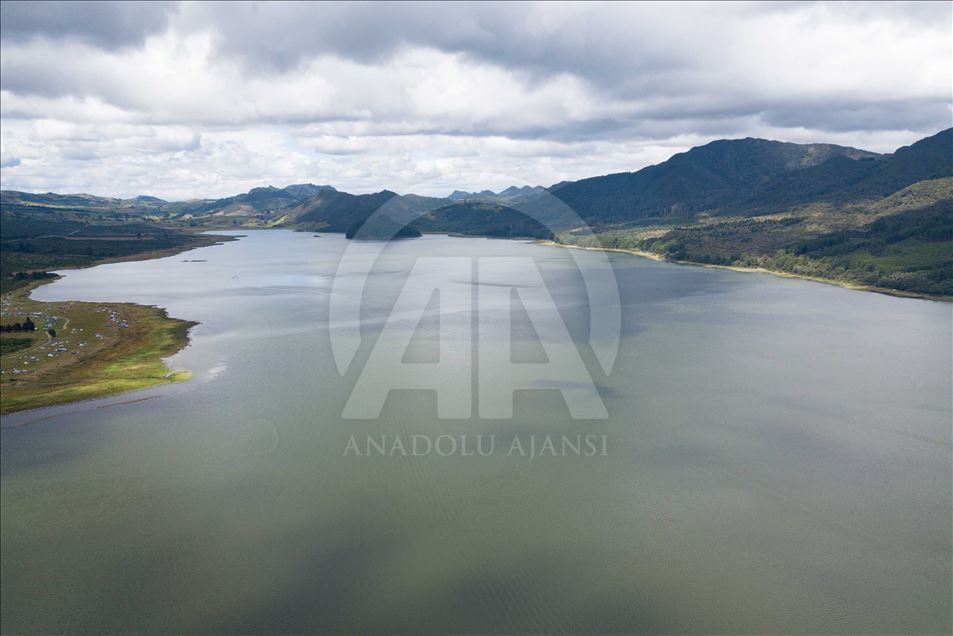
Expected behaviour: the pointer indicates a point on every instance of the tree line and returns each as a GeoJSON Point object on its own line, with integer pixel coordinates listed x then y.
{"type": "Point", "coordinates": [26, 325]}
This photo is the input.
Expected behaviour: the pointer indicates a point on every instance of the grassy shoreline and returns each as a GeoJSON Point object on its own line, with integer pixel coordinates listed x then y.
{"type": "Point", "coordinates": [100, 349]}
{"type": "Point", "coordinates": [737, 268]}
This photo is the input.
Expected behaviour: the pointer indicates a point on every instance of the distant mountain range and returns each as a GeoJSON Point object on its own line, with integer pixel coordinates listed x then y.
{"type": "Point", "coordinates": [267, 199]}
{"type": "Point", "coordinates": [252, 202]}
{"type": "Point", "coordinates": [721, 183]}
{"type": "Point", "coordinates": [509, 194]}
{"type": "Point", "coordinates": [740, 176]}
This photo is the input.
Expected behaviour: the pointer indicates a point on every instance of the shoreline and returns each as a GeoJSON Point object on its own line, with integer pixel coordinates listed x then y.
{"type": "Point", "coordinates": [120, 360]}
{"type": "Point", "coordinates": [897, 293]}
{"type": "Point", "coordinates": [111, 349]}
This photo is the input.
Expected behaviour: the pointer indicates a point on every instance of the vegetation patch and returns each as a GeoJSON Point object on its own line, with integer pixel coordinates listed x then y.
{"type": "Point", "coordinates": [37, 238]}
{"type": "Point", "coordinates": [886, 245]}
{"type": "Point", "coordinates": [84, 350]}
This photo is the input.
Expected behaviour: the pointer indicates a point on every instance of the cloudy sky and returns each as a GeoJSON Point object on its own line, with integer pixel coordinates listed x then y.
{"type": "Point", "coordinates": [198, 100]}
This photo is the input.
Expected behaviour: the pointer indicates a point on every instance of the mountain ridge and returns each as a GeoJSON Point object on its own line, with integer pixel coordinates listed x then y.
{"type": "Point", "coordinates": [818, 210]}
{"type": "Point", "coordinates": [725, 175]}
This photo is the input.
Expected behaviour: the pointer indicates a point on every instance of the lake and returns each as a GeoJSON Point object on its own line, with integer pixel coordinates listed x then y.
{"type": "Point", "coordinates": [777, 459]}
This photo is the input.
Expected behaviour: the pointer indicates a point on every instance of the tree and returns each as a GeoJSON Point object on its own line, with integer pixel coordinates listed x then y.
{"type": "Point", "coordinates": [28, 325]}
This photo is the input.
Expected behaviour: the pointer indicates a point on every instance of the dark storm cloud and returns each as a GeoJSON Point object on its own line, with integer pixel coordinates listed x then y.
{"type": "Point", "coordinates": [104, 24]}
{"type": "Point", "coordinates": [625, 48]}
{"type": "Point", "coordinates": [676, 67]}
{"type": "Point", "coordinates": [913, 114]}
{"type": "Point", "coordinates": [604, 43]}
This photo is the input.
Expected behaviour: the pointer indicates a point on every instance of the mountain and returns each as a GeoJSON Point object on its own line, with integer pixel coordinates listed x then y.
{"type": "Point", "coordinates": [84, 204]}
{"type": "Point", "coordinates": [702, 179]}
{"type": "Point", "coordinates": [883, 221]}
{"type": "Point", "coordinates": [50, 199]}
{"type": "Point", "coordinates": [381, 228]}
{"type": "Point", "coordinates": [343, 212]}
{"type": "Point", "coordinates": [929, 158]}
{"type": "Point", "coordinates": [516, 192]}
{"type": "Point", "coordinates": [10, 199]}
{"type": "Point", "coordinates": [534, 202]}
{"type": "Point", "coordinates": [903, 242]}
{"type": "Point", "coordinates": [256, 201]}
{"type": "Point", "coordinates": [147, 200]}
{"type": "Point", "coordinates": [482, 218]}
{"type": "Point", "coordinates": [302, 191]}
{"type": "Point", "coordinates": [509, 194]}
{"type": "Point", "coordinates": [755, 176]}
{"type": "Point", "coordinates": [819, 210]}
{"type": "Point", "coordinates": [841, 180]}
{"type": "Point", "coordinates": [334, 211]}
{"type": "Point", "coordinates": [461, 195]}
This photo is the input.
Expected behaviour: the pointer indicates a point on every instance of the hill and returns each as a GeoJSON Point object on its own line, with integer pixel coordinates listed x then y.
{"type": "Point", "coordinates": [257, 200]}
{"type": "Point", "coordinates": [821, 210]}
{"type": "Point", "coordinates": [703, 179]}
{"type": "Point", "coordinates": [902, 242]}
{"type": "Point", "coordinates": [334, 211]}
{"type": "Point", "coordinates": [86, 203]}
{"type": "Point", "coordinates": [35, 239]}
{"type": "Point", "coordinates": [843, 180]}
{"type": "Point", "coordinates": [480, 218]}
{"type": "Point", "coordinates": [754, 176]}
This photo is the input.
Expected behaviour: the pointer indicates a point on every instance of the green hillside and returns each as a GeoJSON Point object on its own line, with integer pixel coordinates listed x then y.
{"type": "Point", "coordinates": [903, 242]}
{"type": "Point", "coordinates": [818, 210]}
{"type": "Point", "coordinates": [755, 176]}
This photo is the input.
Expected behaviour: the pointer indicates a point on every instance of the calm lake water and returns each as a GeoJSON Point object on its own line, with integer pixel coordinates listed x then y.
{"type": "Point", "coordinates": [778, 460]}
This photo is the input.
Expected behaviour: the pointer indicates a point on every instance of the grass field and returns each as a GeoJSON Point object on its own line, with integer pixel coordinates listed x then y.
{"type": "Point", "coordinates": [94, 349]}
{"type": "Point", "coordinates": [99, 349]}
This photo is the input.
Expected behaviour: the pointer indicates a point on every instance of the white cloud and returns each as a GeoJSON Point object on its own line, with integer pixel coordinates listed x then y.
{"type": "Point", "coordinates": [209, 100]}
